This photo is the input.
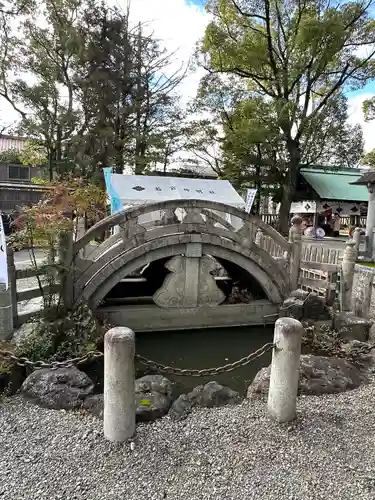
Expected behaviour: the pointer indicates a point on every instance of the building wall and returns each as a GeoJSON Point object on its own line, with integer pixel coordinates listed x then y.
{"type": "Point", "coordinates": [16, 173]}
{"type": "Point", "coordinates": [10, 142]}
{"type": "Point", "coordinates": [13, 199]}
{"type": "Point", "coordinates": [16, 188]}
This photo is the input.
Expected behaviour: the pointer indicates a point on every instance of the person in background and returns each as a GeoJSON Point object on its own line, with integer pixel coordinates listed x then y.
{"type": "Point", "coordinates": [336, 225]}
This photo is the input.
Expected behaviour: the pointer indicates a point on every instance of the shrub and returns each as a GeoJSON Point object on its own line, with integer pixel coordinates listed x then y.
{"type": "Point", "coordinates": [63, 338]}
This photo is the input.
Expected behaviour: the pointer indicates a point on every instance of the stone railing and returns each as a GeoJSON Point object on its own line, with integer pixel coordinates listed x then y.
{"type": "Point", "coordinates": [180, 215]}
{"type": "Point", "coordinates": [159, 228]}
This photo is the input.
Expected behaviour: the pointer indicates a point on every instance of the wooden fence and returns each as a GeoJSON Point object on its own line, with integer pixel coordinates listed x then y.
{"type": "Point", "coordinates": [23, 295]}
{"type": "Point", "coordinates": [273, 219]}
{"type": "Point", "coordinates": [321, 254]}
{"type": "Point", "coordinates": [320, 271]}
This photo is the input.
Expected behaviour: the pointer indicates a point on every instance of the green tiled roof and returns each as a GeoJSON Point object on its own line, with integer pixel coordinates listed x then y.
{"type": "Point", "coordinates": [335, 185]}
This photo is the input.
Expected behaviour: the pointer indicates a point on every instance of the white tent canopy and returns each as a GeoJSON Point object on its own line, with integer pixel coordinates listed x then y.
{"type": "Point", "coordinates": [126, 191]}
{"type": "Point", "coordinates": [140, 189]}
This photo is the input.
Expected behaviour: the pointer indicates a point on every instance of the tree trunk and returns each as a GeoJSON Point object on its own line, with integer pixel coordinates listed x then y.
{"type": "Point", "coordinates": [284, 212]}
{"type": "Point", "coordinates": [289, 190]}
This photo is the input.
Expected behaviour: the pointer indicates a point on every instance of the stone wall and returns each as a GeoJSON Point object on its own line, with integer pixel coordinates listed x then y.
{"type": "Point", "coordinates": [363, 296]}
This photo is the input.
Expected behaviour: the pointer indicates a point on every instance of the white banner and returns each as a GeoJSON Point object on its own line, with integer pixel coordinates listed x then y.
{"type": "Point", "coordinates": [3, 256]}
{"type": "Point", "coordinates": [250, 197]}
{"type": "Point", "coordinates": [303, 207]}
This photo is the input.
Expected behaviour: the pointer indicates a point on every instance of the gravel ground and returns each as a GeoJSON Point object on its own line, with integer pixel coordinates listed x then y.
{"type": "Point", "coordinates": [232, 453]}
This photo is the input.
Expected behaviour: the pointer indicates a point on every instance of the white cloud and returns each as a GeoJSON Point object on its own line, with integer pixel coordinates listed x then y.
{"type": "Point", "coordinates": [177, 24]}
{"type": "Point", "coordinates": [356, 116]}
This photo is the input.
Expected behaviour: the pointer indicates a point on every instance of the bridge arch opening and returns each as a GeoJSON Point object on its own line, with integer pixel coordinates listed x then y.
{"type": "Point", "coordinates": [179, 260]}
{"type": "Point", "coordinates": [238, 285]}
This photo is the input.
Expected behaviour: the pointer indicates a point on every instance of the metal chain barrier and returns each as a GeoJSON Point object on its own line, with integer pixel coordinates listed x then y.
{"type": "Point", "coordinates": [22, 361]}
{"type": "Point", "coordinates": [170, 370]}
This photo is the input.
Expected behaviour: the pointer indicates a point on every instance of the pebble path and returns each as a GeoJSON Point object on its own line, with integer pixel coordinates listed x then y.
{"type": "Point", "coordinates": [231, 453]}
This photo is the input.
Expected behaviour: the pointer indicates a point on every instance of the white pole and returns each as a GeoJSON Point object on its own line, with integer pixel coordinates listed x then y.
{"type": "Point", "coordinates": [357, 238]}
{"type": "Point", "coordinates": [348, 267]}
{"type": "Point", "coordinates": [119, 402]}
{"type": "Point", "coordinates": [284, 378]}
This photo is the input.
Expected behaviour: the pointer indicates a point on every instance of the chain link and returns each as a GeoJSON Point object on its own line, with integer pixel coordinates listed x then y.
{"type": "Point", "coordinates": [170, 370]}
{"type": "Point", "coordinates": [22, 361]}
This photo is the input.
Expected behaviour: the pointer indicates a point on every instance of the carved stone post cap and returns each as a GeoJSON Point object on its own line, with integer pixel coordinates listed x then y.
{"type": "Point", "coordinates": [350, 244]}
{"type": "Point", "coordinates": [296, 220]}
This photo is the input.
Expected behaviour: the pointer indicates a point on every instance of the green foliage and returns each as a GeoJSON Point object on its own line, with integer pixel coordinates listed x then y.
{"type": "Point", "coordinates": [369, 109]}
{"type": "Point", "coordinates": [9, 156]}
{"type": "Point", "coordinates": [95, 97]}
{"type": "Point", "coordinates": [51, 225]}
{"type": "Point", "coordinates": [202, 142]}
{"type": "Point", "coordinates": [33, 154]}
{"type": "Point", "coordinates": [369, 159]}
{"type": "Point", "coordinates": [5, 367]}
{"type": "Point", "coordinates": [74, 335]}
{"type": "Point", "coordinates": [290, 61]}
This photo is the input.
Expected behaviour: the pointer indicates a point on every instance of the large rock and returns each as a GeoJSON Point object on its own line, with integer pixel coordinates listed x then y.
{"type": "Point", "coordinates": [292, 308]}
{"type": "Point", "coordinates": [305, 305]}
{"type": "Point", "coordinates": [63, 388]}
{"type": "Point", "coordinates": [362, 353]}
{"type": "Point", "coordinates": [95, 405]}
{"type": "Point", "coordinates": [371, 334]}
{"type": "Point", "coordinates": [208, 396]}
{"type": "Point", "coordinates": [314, 307]}
{"type": "Point", "coordinates": [299, 294]}
{"type": "Point", "coordinates": [351, 327]}
{"type": "Point", "coordinates": [153, 397]}
{"type": "Point", "coordinates": [318, 375]}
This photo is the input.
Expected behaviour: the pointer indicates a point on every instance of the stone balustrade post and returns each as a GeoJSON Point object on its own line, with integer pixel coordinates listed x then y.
{"type": "Point", "coordinates": [357, 238]}
{"type": "Point", "coordinates": [6, 302]}
{"type": "Point", "coordinates": [361, 301]}
{"type": "Point", "coordinates": [372, 247]}
{"type": "Point", "coordinates": [295, 238]}
{"type": "Point", "coordinates": [347, 275]}
{"type": "Point", "coordinates": [66, 262]}
{"type": "Point", "coordinates": [6, 312]}
{"type": "Point", "coordinates": [12, 280]}
{"type": "Point", "coordinates": [284, 377]}
{"type": "Point", "coordinates": [80, 230]}
{"type": "Point", "coordinates": [119, 384]}
{"type": "Point", "coordinates": [370, 220]}
{"type": "Point", "coordinates": [258, 237]}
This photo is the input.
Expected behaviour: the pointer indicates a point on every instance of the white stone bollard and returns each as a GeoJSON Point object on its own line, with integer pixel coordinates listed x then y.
{"type": "Point", "coordinates": [357, 238]}
{"type": "Point", "coordinates": [295, 238]}
{"type": "Point", "coordinates": [347, 275]}
{"type": "Point", "coordinates": [119, 402]}
{"type": "Point", "coordinates": [284, 378]}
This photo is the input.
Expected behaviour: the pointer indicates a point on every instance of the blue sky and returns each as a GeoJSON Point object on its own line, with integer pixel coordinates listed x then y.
{"type": "Point", "coordinates": [201, 3]}
{"type": "Point", "coordinates": [368, 89]}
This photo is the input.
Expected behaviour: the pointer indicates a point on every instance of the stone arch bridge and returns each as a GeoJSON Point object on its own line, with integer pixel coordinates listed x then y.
{"type": "Point", "coordinates": [192, 239]}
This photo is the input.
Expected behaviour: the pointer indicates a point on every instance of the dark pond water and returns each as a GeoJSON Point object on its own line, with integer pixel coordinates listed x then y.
{"type": "Point", "coordinates": [205, 349]}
